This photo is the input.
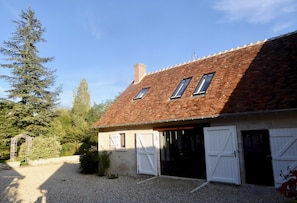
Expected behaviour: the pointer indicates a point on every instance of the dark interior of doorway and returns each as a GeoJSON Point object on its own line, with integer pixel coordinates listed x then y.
{"type": "Point", "coordinates": [257, 157]}
{"type": "Point", "coordinates": [182, 153]}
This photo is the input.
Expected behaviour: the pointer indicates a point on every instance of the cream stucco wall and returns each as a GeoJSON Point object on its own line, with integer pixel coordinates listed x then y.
{"type": "Point", "coordinates": [123, 160]}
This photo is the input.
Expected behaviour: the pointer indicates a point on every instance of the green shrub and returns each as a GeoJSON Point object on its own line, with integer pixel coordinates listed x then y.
{"type": "Point", "coordinates": [4, 152]}
{"type": "Point", "coordinates": [88, 144]}
{"type": "Point", "coordinates": [92, 162]}
{"type": "Point", "coordinates": [3, 160]}
{"type": "Point", "coordinates": [45, 147]}
{"type": "Point", "coordinates": [89, 156]}
{"type": "Point", "coordinates": [112, 176]}
{"type": "Point", "coordinates": [104, 163]}
{"type": "Point", "coordinates": [89, 162]}
{"type": "Point", "coordinates": [69, 149]}
{"type": "Point", "coordinates": [23, 154]}
{"type": "Point", "coordinates": [42, 148]}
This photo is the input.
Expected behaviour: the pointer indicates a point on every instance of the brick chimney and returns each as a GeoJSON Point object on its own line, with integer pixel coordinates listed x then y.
{"type": "Point", "coordinates": [139, 72]}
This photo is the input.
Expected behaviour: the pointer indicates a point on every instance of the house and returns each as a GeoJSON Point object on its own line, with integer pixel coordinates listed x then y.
{"type": "Point", "coordinates": [230, 117]}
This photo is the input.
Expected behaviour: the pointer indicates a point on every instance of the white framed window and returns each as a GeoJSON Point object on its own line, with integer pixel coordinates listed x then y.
{"type": "Point", "coordinates": [117, 141]}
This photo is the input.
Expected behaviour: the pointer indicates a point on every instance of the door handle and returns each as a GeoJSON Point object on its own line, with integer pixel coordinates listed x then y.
{"type": "Point", "coordinates": [234, 153]}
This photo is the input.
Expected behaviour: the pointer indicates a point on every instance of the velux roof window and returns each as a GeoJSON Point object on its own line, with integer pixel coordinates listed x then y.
{"type": "Point", "coordinates": [203, 84]}
{"type": "Point", "coordinates": [141, 93]}
{"type": "Point", "coordinates": [178, 92]}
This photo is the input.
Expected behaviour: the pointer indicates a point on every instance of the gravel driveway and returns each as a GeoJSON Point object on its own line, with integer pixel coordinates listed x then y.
{"type": "Point", "coordinates": [62, 183]}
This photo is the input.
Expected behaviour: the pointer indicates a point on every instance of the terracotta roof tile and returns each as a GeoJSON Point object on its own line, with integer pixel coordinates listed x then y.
{"type": "Point", "coordinates": [257, 77]}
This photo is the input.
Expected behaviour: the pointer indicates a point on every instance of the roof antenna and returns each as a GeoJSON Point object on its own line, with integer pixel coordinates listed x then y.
{"type": "Point", "coordinates": [194, 56]}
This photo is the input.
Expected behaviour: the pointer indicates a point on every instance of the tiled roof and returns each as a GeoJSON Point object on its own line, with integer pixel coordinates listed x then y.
{"type": "Point", "coordinates": [253, 78]}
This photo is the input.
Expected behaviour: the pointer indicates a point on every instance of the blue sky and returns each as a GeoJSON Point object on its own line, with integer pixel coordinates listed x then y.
{"type": "Point", "coordinates": [101, 40]}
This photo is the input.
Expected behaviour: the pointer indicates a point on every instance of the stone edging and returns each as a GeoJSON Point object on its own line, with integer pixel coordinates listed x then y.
{"type": "Point", "coordinates": [71, 159]}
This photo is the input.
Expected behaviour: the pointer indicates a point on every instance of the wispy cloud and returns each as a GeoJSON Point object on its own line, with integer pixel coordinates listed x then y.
{"type": "Point", "coordinates": [281, 26]}
{"type": "Point", "coordinates": [90, 24]}
{"type": "Point", "coordinates": [112, 86]}
{"type": "Point", "coordinates": [10, 8]}
{"type": "Point", "coordinates": [255, 11]}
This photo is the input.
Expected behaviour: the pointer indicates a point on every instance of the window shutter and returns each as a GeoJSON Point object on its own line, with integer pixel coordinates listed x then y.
{"type": "Point", "coordinates": [114, 141]}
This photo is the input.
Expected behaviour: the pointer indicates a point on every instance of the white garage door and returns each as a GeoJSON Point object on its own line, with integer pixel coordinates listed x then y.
{"type": "Point", "coordinates": [147, 153]}
{"type": "Point", "coordinates": [221, 154]}
{"type": "Point", "coordinates": [283, 144]}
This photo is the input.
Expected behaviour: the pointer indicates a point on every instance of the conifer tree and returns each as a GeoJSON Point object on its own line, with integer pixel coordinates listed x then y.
{"type": "Point", "coordinates": [31, 83]}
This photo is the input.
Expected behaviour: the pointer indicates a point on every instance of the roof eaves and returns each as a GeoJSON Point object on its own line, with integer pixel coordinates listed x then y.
{"type": "Point", "coordinates": [225, 115]}
{"type": "Point", "coordinates": [155, 122]}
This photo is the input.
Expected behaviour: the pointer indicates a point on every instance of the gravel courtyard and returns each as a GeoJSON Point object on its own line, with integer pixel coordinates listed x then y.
{"type": "Point", "coordinates": [62, 183]}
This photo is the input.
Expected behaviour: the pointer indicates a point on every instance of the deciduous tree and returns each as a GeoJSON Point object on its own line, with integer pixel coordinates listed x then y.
{"type": "Point", "coordinates": [97, 110]}
{"type": "Point", "coordinates": [80, 110]}
{"type": "Point", "coordinates": [82, 100]}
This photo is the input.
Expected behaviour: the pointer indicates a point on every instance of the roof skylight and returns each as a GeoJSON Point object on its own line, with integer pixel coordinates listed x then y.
{"type": "Point", "coordinates": [141, 93]}
{"type": "Point", "coordinates": [203, 84]}
{"type": "Point", "coordinates": [178, 92]}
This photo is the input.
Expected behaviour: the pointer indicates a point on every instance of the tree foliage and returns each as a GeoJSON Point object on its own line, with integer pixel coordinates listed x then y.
{"type": "Point", "coordinates": [81, 106]}
{"type": "Point", "coordinates": [82, 100]}
{"type": "Point", "coordinates": [42, 148]}
{"type": "Point", "coordinates": [78, 122]}
{"type": "Point", "coordinates": [89, 156]}
{"type": "Point", "coordinates": [98, 110]}
{"type": "Point", "coordinates": [32, 84]}
{"type": "Point", "coordinates": [6, 130]}
{"type": "Point", "coordinates": [31, 101]}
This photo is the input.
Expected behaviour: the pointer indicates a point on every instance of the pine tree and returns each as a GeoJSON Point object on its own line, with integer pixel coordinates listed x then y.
{"type": "Point", "coordinates": [32, 84]}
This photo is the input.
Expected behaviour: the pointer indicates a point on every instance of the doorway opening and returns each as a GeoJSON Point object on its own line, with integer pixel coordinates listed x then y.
{"type": "Point", "coordinates": [182, 153]}
{"type": "Point", "coordinates": [257, 157]}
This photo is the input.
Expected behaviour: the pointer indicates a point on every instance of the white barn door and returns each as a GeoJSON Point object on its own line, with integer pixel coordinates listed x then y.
{"type": "Point", "coordinates": [221, 154]}
{"type": "Point", "coordinates": [147, 153]}
{"type": "Point", "coordinates": [283, 143]}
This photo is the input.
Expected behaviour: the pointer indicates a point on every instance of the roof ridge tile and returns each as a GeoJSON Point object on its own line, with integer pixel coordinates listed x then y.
{"type": "Point", "coordinates": [209, 56]}
{"type": "Point", "coordinates": [223, 52]}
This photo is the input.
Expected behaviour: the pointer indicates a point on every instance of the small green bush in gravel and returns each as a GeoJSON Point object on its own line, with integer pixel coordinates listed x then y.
{"type": "Point", "coordinates": [104, 163]}
{"type": "Point", "coordinates": [89, 162]}
{"type": "Point", "coordinates": [89, 157]}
